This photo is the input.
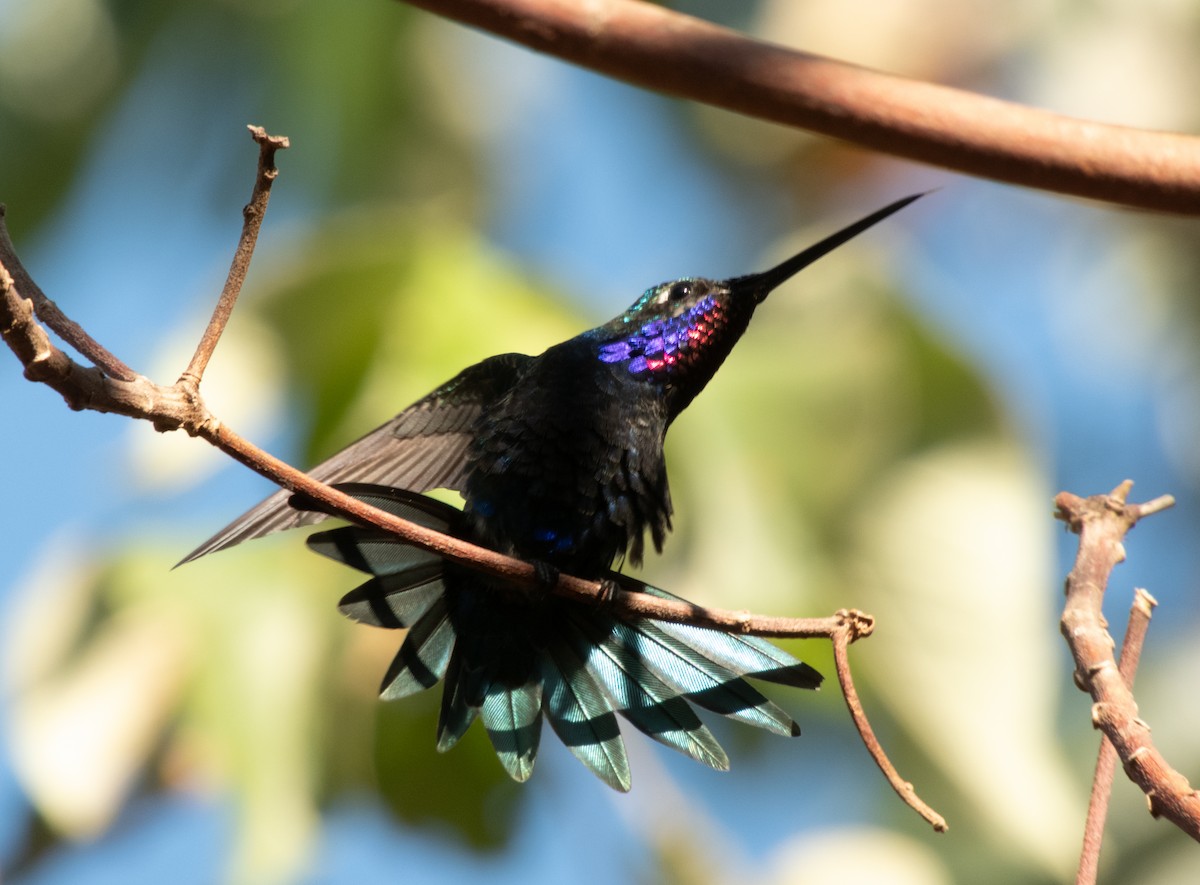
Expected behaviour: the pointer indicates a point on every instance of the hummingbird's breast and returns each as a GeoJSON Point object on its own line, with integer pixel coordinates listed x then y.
{"type": "Point", "coordinates": [568, 468]}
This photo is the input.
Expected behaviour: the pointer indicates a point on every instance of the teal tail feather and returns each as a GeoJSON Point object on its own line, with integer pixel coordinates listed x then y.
{"type": "Point", "coordinates": [509, 663]}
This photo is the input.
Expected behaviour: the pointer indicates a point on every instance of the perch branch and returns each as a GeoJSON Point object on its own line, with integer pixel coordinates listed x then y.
{"type": "Point", "coordinates": [1102, 522]}
{"type": "Point", "coordinates": [657, 48]}
{"type": "Point", "coordinates": [179, 406]}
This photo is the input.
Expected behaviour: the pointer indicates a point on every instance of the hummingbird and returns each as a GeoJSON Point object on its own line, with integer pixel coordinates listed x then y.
{"type": "Point", "coordinates": [559, 460]}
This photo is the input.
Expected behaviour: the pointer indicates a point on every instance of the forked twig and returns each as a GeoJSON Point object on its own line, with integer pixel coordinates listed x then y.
{"type": "Point", "coordinates": [49, 313]}
{"type": "Point", "coordinates": [1102, 522]}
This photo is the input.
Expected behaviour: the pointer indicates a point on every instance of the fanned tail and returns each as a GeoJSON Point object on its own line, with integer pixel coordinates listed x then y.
{"type": "Point", "coordinates": [650, 705]}
{"type": "Point", "coordinates": [507, 662]}
{"type": "Point", "coordinates": [748, 655]}
{"type": "Point", "coordinates": [582, 717]}
{"type": "Point", "coordinates": [513, 719]}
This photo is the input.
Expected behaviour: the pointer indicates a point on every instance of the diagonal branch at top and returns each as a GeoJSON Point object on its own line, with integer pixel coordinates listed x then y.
{"type": "Point", "coordinates": [669, 52]}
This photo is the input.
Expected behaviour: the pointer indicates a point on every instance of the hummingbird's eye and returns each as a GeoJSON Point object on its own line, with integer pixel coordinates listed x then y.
{"type": "Point", "coordinates": [679, 291]}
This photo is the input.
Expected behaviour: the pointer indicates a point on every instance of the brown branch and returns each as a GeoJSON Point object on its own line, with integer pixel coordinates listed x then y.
{"type": "Point", "coordinates": [180, 406]}
{"type": "Point", "coordinates": [1106, 759]}
{"type": "Point", "coordinates": [669, 52]}
{"type": "Point", "coordinates": [252, 215]}
{"type": "Point", "coordinates": [518, 572]}
{"type": "Point", "coordinates": [83, 387]}
{"type": "Point", "coordinates": [48, 312]}
{"type": "Point", "coordinates": [1102, 522]}
{"type": "Point", "coordinates": [903, 788]}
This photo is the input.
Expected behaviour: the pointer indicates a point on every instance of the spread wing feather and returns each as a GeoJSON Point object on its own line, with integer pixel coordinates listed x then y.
{"type": "Point", "coordinates": [424, 447]}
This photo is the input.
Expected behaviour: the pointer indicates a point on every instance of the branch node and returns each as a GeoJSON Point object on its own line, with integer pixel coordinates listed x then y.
{"type": "Point", "coordinates": [1143, 601]}
{"type": "Point", "coordinates": [1121, 493]}
{"type": "Point", "coordinates": [1160, 503]}
{"type": "Point", "coordinates": [858, 624]}
{"type": "Point", "coordinates": [1106, 664]}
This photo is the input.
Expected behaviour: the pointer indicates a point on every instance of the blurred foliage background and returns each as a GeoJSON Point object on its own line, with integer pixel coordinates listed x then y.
{"type": "Point", "coordinates": [888, 436]}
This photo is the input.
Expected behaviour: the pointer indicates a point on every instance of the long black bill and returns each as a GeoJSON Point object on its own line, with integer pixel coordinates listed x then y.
{"type": "Point", "coordinates": [762, 283]}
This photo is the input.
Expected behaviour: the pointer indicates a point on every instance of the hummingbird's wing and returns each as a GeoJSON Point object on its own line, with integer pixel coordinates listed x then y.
{"type": "Point", "coordinates": [424, 447]}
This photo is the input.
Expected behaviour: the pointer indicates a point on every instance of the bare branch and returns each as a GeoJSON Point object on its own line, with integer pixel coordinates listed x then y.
{"type": "Point", "coordinates": [253, 215]}
{"type": "Point", "coordinates": [903, 788]}
{"type": "Point", "coordinates": [1106, 759]}
{"type": "Point", "coordinates": [48, 312]}
{"type": "Point", "coordinates": [656, 48]}
{"type": "Point", "coordinates": [522, 574]}
{"type": "Point", "coordinates": [1102, 522]}
{"type": "Point", "coordinates": [83, 387]}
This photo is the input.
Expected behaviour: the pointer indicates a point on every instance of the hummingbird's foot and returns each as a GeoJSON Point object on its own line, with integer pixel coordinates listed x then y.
{"type": "Point", "coordinates": [608, 592]}
{"type": "Point", "coordinates": [545, 576]}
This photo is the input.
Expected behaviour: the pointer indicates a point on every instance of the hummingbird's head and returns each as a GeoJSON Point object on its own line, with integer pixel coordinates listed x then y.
{"type": "Point", "coordinates": [678, 333]}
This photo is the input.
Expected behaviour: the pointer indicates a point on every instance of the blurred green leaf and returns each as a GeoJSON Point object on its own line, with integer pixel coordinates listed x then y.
{"type": "Point", "coordinates": [375, 312]}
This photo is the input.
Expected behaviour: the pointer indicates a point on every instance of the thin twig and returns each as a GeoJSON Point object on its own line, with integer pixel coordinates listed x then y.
{"type": "Point", "coordinates": [903, 788]}
{"type": "Point", "coordinates": [1101, 522]}
{"type": "Point", "coordinates": [82, 387]}
{"type": "Point", "coordinates": [252, 215]}
{"type": "Point", "coordinates": [1106, 760]}
{"type": "Point", "coordinates": [656, 48]}
{"type": "Point", "coordinates": [48, 312]}
{"type": "Point", "coordinates": [180, 406]}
